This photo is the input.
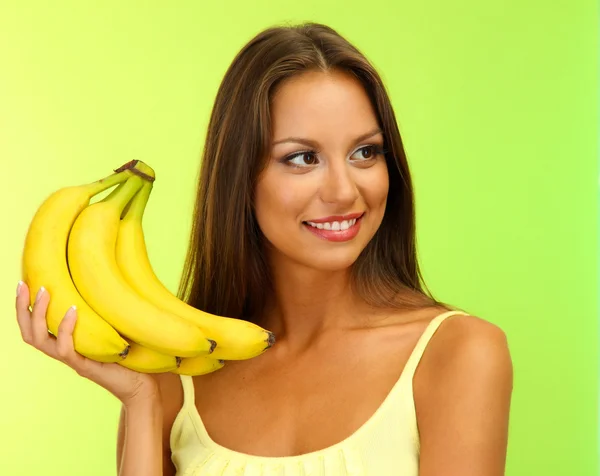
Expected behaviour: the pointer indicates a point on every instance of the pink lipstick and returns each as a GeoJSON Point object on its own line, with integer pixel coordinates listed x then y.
{"type": "Point", "coordinates": [337, 228]}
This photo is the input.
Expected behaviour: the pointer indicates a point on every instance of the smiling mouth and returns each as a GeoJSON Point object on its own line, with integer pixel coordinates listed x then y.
{"type": "Point", "coordinates": [335, 230]}
{"type": "Point", "coordinates": [334, 225]}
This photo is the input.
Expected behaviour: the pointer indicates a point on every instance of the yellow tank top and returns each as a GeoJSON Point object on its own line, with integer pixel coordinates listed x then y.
{"type": "Point", "coordinates": [386, 444]}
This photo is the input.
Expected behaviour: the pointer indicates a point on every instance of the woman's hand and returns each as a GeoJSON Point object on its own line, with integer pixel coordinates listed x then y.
{"type": "Point", "coordinates": [127, 385]}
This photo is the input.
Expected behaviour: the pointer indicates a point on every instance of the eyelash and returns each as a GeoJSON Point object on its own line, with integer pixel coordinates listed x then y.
{"type": "Point", "coordinates": [377, 150]}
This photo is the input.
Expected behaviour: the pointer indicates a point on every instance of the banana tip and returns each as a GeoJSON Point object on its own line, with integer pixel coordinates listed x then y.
{"type": "Point", "coordinates": [178, 361]}
{"type": "Point", "coordinates": [270, 340]}
{"type": "Point", "coordinates": [125, 352]}
{"type": "Point", "coordinates": [213, 345]}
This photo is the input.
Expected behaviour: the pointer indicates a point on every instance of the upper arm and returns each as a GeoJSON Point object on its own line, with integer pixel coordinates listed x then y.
{"type": "Point", "coordinates": [463, 390]}
{"type": "Point", "coordinates": [171, 397]}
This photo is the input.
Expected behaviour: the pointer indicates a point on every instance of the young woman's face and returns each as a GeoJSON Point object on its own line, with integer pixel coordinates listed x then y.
{"type": "Point", "coordinates": [323, 194]}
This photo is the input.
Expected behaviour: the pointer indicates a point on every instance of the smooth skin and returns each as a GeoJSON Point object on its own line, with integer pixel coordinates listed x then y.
{"type": "Point", "coordinates": [336, 358]}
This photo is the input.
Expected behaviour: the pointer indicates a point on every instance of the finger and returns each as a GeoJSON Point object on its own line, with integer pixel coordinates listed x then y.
{"type": "Point", "coordinates": [41, 338]}
{"type": "Point", "coordinates": [23, 314]}
{"type": "Point", "coordinates": [65, 349]}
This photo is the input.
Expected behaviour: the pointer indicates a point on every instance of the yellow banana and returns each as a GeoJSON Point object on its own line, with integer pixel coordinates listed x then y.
{"type": "Point", "coordinates": [198, 366]}
{"type": "Point", "coordinates": [94, 269]}
{"type": "Point", "coordinates": [44, 263]}
{"type": "Point", "coordinates": [142, 359]}
{"type": "Point", "coordinates": [236, 339]}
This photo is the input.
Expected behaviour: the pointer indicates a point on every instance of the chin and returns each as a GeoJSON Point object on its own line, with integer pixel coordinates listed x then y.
{"type": "Point", "coordinates": [331, 261]}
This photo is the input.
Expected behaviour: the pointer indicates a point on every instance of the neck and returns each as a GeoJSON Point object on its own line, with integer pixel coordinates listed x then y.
{"type": "Point", "coordinates": [307, 302]}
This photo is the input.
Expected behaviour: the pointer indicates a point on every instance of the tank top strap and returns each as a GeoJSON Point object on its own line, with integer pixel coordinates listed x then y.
{"type": "Point", "coordinates": [417, 353]}
{"type": "Point", "coordinates": [189, 399]}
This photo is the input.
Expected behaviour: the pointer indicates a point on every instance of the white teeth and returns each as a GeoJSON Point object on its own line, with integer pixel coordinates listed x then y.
{"type": "Point", "coordinates": [334, 225]}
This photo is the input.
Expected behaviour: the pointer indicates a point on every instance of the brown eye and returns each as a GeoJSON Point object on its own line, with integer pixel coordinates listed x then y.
{"type": "Point", "coordinates": [309, 159]}
{"type": "Point", "coordinates": [367, 152]}
{"type": "Point", "coordinates": [303, 159]}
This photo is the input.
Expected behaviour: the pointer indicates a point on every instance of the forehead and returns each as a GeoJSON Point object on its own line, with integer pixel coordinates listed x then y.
{"type": "Point", "coordinates": [315, 104]}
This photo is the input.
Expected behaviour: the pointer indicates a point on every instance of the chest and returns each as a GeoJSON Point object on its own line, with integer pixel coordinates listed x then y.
{"type": "Point", "coordinates": [271, 406]}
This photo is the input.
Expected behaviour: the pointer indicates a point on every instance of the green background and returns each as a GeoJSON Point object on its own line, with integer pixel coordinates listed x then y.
{"type": "Point", "coordinates": [497, 103]}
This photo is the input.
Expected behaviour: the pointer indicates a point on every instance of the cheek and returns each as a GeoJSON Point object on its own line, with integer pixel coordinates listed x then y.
{"type": "Point", "coordinates": [375, 187]}
{"type": "Point", "coordinates": [279, 201]}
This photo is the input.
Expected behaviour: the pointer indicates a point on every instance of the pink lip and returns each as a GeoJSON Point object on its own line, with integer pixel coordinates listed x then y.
{"type": "Point", "coordinates": [337, 235]}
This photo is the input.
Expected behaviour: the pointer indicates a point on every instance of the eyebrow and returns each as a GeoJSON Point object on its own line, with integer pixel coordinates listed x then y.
{"type": "Point", "coordinates": [314, 144]}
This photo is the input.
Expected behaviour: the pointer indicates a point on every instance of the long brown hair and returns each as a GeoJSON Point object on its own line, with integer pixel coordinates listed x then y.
{"type": "Point", "coordinates": [225, 271]}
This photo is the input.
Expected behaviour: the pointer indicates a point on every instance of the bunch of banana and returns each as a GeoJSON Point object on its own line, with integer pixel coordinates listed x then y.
{"type": "Point", "coordinates": [94, 256]}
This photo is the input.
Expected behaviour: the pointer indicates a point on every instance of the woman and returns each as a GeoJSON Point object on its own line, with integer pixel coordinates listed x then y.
{"type": "Point", "coordinates": [304, 224]}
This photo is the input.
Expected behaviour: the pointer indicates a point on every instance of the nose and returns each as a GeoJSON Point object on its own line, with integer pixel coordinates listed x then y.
{"type": "Point", "coordinates": [339, 187]}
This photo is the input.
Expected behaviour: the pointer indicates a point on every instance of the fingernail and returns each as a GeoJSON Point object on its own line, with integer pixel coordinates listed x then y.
{"type": "Point", "coordinates": [19, 288]}
{"type": "Point", "coordinates": [39, 293]}
{"type": "Point", "coordinates": [72, 312]}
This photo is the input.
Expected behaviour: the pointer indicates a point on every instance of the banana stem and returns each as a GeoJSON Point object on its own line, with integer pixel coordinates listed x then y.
{"type": "Point", "coordinates": [121, 196]}
{"type": "Point", "coordinates": [113, 192]}
{"type": "Point", "coordinates": [138, 203]}
{"type": "Point", "coordinates": [95, 188]}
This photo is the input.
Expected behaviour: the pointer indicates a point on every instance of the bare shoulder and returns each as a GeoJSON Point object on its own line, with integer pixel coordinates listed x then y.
{"type": "Point", "coordinates": [463, 386]}
{"type": "Point", "coordinates": [463, 339]}
{"type": "Point", "coordinates": [469, 342]}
